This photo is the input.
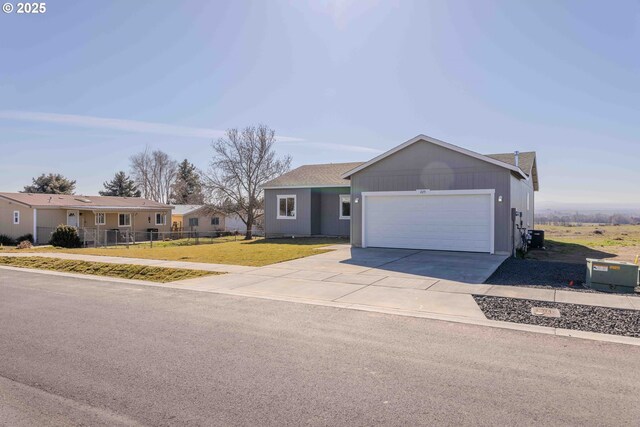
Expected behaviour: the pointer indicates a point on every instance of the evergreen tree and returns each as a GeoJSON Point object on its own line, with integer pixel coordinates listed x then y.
{"type": "Point", "coordinates": [187, 188]}
{"type": "Point", "coordinates": [121, 185]}
{"type": "Point", "coordinates": [51, 184]}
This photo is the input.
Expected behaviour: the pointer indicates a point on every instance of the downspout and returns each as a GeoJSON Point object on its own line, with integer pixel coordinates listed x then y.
{"type": "Point", "coordinates": [35, 226]}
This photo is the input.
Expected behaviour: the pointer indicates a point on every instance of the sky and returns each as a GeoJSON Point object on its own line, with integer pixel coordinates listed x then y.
{"type": "Point", "coordinates": [88, 84]}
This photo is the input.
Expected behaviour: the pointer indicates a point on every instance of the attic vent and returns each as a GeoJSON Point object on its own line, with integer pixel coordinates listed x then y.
{"type": "Point", "coordinates": [83, 200]}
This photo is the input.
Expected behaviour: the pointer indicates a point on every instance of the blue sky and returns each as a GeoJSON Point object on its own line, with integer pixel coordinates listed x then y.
{"type": "Point", "coordinates": [87, 84]}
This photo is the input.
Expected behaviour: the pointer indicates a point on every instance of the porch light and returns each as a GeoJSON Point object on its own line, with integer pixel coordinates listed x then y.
{"type": "Point", "coordinates": [356, 200]}
{"type": "Point", "coordinates": [499, 199]}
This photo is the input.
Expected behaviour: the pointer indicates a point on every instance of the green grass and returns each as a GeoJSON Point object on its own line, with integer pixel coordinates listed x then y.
{"type": "Point", "coordinates": [254, 253]}
{"type": "Point", "coordinates": [125, 271]}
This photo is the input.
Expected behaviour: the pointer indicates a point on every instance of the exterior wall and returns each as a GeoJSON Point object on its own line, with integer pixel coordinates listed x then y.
{"type": "Point", "coordinates": [7, 227]}
{"type": "Point", "coordinates": [301, 226]}
{"type": "Point", "coordinates": [317, 213]}
{"type": "Point", "coordinates": [330, 222]}
{"type": "Point", "coordinates": [204, 222]}
{"type": "Point", "coordinates": [520, 188]}
{"type": "Point", "coordinates": [428, 166]}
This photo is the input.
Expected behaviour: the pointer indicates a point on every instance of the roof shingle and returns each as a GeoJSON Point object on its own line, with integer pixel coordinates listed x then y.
{"type": "Point", "coordinates": [328, 174]}
{"type": "Point", "coordinates": [38, 200]}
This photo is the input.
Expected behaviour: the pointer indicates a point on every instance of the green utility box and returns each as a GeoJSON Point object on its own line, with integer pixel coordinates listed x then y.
{"type": "Point", "coordinates": [612, 276]}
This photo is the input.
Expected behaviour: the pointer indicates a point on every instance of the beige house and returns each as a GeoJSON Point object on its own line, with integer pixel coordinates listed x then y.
{"type": "Point", "coordinates": [40, 214]}
{"type": "Point", "coordinates": [203, 219]}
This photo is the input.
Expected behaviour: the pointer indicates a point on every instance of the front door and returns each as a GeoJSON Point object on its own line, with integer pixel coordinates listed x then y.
{"type": "Point", "coordinates": [72, 218]}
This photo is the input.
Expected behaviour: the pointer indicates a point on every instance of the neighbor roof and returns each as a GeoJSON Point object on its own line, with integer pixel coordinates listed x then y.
{"type": "Point", "coordinates": [526, 162]}
{"type": "Point", "coordinates": [36, 200]}
{"type": "Point", "coordinates": [185, 209]}
{"type": "Point", "coordinates": [324, 175]}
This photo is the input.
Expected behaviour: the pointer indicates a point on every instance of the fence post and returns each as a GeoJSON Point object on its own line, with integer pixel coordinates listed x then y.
{"type": "Point", "coordinates": [127, 237]}
{"type": "Point", "coordinates": [151, 238]}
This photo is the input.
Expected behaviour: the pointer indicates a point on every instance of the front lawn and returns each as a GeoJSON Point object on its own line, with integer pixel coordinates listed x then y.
{"type": "Point", "coordinates": [255, 253]}
{"type": "Point", "coordinates": [125, 271]}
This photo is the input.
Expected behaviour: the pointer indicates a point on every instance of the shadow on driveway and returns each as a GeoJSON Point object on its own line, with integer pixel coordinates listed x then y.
{"type": "Point", "coordinates": [466, 267]}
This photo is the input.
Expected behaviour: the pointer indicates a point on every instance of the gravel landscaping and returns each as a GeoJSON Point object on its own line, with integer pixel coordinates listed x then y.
{"type": "Point", "coordinates": [572, 316]}
{"type": "Point", "coordinates": [548, 274]}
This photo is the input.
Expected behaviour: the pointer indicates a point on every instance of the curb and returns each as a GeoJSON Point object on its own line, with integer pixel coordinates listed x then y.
{"type": "Point", "coordinates": [569, 333]}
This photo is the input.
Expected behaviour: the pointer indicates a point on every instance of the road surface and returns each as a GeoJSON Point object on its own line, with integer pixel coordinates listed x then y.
{"type": "Point", "coordinates": [76, 351]}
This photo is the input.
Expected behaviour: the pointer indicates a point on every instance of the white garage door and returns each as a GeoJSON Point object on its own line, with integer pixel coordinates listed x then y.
{"type": "Point", "coordinates": [450, 221]}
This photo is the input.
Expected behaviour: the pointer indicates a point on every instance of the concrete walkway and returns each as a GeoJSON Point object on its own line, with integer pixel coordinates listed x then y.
{"type": "Point", "coordinates": [389, 279]}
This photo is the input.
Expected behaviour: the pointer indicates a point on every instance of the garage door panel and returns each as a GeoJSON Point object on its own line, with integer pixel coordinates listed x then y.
{"type": "Point", "coordinates": [461, 222]}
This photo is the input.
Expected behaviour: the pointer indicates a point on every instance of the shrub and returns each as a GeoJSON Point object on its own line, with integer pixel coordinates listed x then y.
{"type": "Point", "coordinates": [65, 237]}
{"type": "Point", "coordinates": [6, 240]}
{"type": "Point", "coordinates": [27, 236]}
{"type": "Point", "coordinates": [25, 244]}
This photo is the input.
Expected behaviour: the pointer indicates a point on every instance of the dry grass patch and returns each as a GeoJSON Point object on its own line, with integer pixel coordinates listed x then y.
{"type": "Point", "coordinates": [575, 243]}
{"type": "Point", "coordinates": [253, 253]}
{"type": "Point", "coordinates": [125, 271]}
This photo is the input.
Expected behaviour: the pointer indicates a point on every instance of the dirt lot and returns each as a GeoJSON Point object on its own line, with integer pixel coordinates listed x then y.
{"type": "Point", "coordinates": [576, 243]}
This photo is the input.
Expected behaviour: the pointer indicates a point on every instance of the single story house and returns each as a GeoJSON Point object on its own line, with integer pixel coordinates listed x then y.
{"type": "Point", "coordinates": [422, 194]}
{"type": "Point", "coordinates": [204, 219]}
{"type": "Point", "coordinates": [40, 214]}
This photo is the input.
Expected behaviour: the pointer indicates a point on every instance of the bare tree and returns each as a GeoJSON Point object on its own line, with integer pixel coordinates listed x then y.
{"type": "Point", "coordinates": [242, 162]}
{"type": "Point", "coordinates": [154, 172]}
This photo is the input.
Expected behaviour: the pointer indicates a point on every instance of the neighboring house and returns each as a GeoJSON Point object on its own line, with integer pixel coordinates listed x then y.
{"type": "Point", "coordinates": [40, 214]}
{"type": "Point", "coordinates": [196, 218]}
{"type": "Point", "coordinates": [204, 219]}
{"type": "Point", "coordinates": [423, 194]}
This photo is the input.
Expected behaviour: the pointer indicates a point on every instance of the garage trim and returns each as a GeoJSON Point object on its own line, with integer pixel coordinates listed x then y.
{"type": "Point", "coordinates": [427, 193]}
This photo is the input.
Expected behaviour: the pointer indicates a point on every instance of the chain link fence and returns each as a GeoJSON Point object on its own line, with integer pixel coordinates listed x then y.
{"type": "Point", "coordinates": [93, 237]}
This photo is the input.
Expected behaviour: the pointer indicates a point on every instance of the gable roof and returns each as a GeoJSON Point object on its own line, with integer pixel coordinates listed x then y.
{"type": "Point", "coordinates": [526, 162]}
{"type": "Point", "coordinates": [437, 142]}
{"type": "Point", "coordinates": [324, 175]}
{"type": "Point", "coordinates": [38, 200]}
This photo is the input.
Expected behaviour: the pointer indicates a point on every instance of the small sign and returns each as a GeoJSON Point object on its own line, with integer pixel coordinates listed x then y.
{"type": "Point", "coordinates": [545, 311]}
{"type": "Point", "coordinates": [422, 190]}
{"type": "Point", "coordinates": [600, 268]}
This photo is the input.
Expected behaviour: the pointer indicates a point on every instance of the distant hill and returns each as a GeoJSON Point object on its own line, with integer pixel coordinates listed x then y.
{"type": "Point", "coordinates": [632, 208]}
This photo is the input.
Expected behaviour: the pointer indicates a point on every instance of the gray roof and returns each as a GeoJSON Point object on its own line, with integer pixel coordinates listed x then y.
{"type": "Point", "coordinates": [526, 162]}
{"type": "Point", "coordinates": [314, 176]}
{"type": "Point", "coordinates": [185, 209]}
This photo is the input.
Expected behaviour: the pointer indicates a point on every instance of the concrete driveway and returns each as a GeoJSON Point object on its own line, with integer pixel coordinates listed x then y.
{"type": "Point", "coordinates": [465, 267]}
{"type": "Point", "coordinates": [397, 279]}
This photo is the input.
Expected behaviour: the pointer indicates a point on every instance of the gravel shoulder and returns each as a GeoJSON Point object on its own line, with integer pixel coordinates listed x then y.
{"type": "Point", "coordinates": [534, 273]}
{"type": "Point", "coordinates": [572, 316]}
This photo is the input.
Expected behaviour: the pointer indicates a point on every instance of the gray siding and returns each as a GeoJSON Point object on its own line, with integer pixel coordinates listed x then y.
{"type": "Point", "coordinates": [520, 188]}
{"type": "Point", "coordinates": [301, 226]}
{"type": "Point", "coordinates": [330, 222]}
{"type": "Point", "coordinates": [428, 166]}
{"type": "Point", "coordinates": [317, 213]}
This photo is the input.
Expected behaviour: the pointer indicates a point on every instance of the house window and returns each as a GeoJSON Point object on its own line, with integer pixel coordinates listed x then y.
{"type": "Point", "coordinates": [124, 220]}
{"type": "Point", "coordinates": [345, 206]}
{"type": "Point", "coordinates": [161, 218]}
{"type": "Point", "coordinates": [286, 207]}
{"type": "Point", "coordinates": [193, 222]}
{"type": "Point", "coordinates": [101, 218]}
{"type": "Point", "coordinates": [16, 217]}
{"type": "Point", "coordinates": [215, 220]}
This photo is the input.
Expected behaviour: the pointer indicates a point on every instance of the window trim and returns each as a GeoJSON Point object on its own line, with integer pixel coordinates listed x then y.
{"type": "Point", "coordinates": [16, 218]}
{"type": "Point", "coordinates": [104, 218]}
{"type": "Point", "coordinates": [295, 206]}
{"type": "Point", "coordinates": [343, 198]}
{"type": "Point", "coordinates": [130, 218]}
{"type": "Point", "coordinates": [163, 215]}
{"type": "Point", "coordinates": [215, 217]}
{"type": "Point", "coordinates": [197, 220]}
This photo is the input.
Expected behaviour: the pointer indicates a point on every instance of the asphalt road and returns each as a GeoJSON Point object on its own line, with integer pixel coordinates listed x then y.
{"type": "Point", "coordinates": [96, 353]}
